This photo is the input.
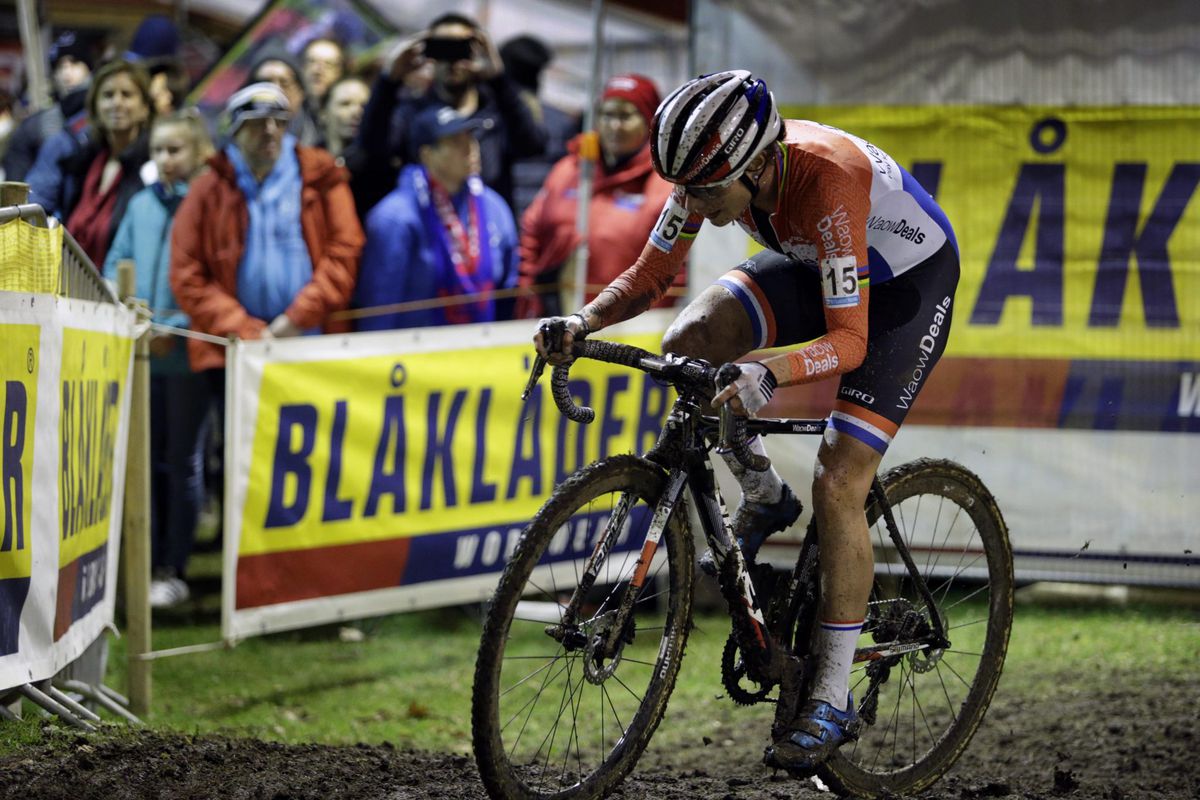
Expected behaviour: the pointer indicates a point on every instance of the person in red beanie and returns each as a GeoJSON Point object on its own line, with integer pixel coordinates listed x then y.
{"type": "Point", "coordinates": [627, 196]}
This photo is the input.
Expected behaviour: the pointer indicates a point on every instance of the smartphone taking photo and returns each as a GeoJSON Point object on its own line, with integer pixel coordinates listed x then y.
{"type": "Point", "coordinates": [441, 48]}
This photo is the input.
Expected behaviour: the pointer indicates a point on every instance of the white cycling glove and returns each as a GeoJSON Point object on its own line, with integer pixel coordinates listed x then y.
{"type": "Point", "coordinates": [753, 388]}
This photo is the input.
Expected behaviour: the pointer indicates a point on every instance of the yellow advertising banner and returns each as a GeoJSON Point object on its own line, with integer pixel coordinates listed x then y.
{"type": "Point", "coordinates": [1077, 228]}
{"type": "Point", "coordinates": [363, 449]}
{"type": "Point", "coordinates": [63, 421]}
{"type": "Point", "coordinates": [20, 362]}
{"type": "Point", "coordinates": [379, 471]}
{"type": "Point", "coordinates": [95, 367]}
{"type": "Point", "coordinates": [20, 365]}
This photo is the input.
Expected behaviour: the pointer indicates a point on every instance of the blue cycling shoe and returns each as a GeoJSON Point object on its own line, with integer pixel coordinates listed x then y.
{"type": "Point", "coordinates": [754, 522]}
{"type": "Point", "coordinates": [819, 730]}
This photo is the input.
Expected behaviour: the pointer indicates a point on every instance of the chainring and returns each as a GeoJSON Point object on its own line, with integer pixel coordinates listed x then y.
{"type": "Point", "coordinates": [733, 669]}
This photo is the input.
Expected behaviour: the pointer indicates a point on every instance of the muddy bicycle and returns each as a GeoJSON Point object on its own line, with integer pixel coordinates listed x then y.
{"type": "Point", "coordinates": [584, 636]}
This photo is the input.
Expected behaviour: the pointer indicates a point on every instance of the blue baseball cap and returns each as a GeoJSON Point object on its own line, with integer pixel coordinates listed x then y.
{"type": "Point", "coordinates": [437, 122]}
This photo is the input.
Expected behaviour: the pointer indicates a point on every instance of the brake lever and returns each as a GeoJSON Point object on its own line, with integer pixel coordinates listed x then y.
{"type": "Point", "coordinates": [535, 374]}
{"type": "Point", "coordinates": [726, 431]}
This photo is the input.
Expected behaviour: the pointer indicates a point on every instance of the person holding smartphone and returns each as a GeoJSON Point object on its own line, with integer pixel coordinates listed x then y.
{"type": "Point", "coordinates": [467, 74]}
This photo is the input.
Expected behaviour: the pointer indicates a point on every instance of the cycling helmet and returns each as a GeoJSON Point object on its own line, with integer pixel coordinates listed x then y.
{"type": "Point", "coordinates": [708, 130]}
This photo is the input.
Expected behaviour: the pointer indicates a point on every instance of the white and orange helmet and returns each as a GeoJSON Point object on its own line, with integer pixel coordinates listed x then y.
{"type": "Point", "coordinates": [707, 131]}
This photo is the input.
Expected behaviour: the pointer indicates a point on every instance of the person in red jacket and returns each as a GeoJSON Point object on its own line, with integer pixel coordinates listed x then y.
{"type": "Point", "coordinates": [267, 241]}
{"type": "Point", "coordinates": [627, 196]}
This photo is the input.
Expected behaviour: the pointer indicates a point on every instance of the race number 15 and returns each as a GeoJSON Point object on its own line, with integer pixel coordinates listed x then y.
{"type": "Point", "coordinates": [840, 281]}
{"type": "Point", "coordinates": [670, 223]}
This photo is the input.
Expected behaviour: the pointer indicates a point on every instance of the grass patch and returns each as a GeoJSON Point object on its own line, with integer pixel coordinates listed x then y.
{"type": "Point", "coordinates": [408, 681]}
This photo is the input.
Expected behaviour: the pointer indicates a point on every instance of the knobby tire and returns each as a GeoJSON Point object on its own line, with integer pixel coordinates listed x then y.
{"type": "Point", "coordinates": [956, 533]}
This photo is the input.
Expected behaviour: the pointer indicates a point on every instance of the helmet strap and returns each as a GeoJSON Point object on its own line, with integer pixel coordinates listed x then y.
{"type": "Point", "coordinates": [751, 186]}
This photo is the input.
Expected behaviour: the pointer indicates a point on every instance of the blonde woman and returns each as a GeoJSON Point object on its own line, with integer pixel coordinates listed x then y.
{"type": "Point", "coordinates": [179, 398]}
{"type": "Point", "coordinates": [87, 178]}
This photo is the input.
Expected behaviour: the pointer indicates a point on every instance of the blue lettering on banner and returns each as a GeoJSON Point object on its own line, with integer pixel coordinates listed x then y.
{"type": "Point", "coordinates": [438, 448]}
{"type": "Point", "coordinates": [656, 404]}
{"type": "Point", "coordinates": [1043, 185]}
{"type": "Point", "coordinates": [527, 447]}
{"type": "Point", "coordinates": [568, 432]}
{"type": "Point", "coordinates": [13, 592]}
{"type": "Point", "coordinates": [15, 410]}
{"type": "Point", "coordinates": [928, 174]}
{"type": "Point", "coordinates": [89, 428]}
{"type": "Point", "coordinates": [1189, 395]}
{"type": "Point", "coordinates": [480, 551]}
{"type": "Point", "coordinates": [1131, 396]}
{"type": "Point", "coordinates": [294, 466]}
{"type": "Point", "coordinates": [292, 462]}
{"type": "Point", "coordinates": [1122, 242]}
{"type": "Point", "coordinates": [393, 440]}
{"type": "Point", "coordinates": [481, 490]}
{"type": "Point", "coordinates": [90, 580]}
{"type": "Point", "coordinates": [336, 508]}
{"type": "Point", "coordinates": [611, 426]}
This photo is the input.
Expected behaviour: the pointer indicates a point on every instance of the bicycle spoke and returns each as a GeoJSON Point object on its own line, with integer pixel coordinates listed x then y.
{"type": "Point", "coordinates": [929, 568]}
{"type": "Point", "coordinates": [984, 588]}
{"type": "Point", "coordinates": [950, 667]}
{"type": "Point", "coordinates": [612, 707]}
{"type": "Point", "coordinates": [924, 718]}
{"type": "Point", "coordinates": [967, 624]}
{"type": "Point", "coordinates": [530, 675]}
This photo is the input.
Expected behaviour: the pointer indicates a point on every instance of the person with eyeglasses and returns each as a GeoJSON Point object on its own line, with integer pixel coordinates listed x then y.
{"type": "Point", "coordinates": [278, 67]}
{"type": "Point", "coordinates": [856, 281]}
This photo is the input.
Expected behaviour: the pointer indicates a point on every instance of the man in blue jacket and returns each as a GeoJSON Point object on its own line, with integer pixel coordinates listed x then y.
{"type": "Point", "coordinates": [441, 233]}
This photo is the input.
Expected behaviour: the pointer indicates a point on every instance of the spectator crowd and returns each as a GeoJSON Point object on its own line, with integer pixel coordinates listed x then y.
{"type": "Point", "coordinates": [432, 187]}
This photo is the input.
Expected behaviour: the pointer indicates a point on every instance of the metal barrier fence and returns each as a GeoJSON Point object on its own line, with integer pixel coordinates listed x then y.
{"type": "Point", "coordinates": [77, 689]}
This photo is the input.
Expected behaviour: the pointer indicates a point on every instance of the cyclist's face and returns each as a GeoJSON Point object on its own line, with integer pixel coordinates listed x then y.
{"type": "Point", "coordinates": [720, 205]}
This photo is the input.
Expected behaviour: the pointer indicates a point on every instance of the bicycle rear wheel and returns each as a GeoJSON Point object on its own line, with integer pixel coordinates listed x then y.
{"type": "Point", "coordinates": [553, 714]}
{"type": "Point", "coordinates": [921, 708]}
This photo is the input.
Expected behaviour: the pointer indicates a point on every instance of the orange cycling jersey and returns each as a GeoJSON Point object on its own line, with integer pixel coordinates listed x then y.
{"type": "Point", "coordinates": [844, 208]}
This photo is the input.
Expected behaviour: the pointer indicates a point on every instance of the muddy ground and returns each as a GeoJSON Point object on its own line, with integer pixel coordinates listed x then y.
{"type": "Point", "coordinates": [1116, 742]}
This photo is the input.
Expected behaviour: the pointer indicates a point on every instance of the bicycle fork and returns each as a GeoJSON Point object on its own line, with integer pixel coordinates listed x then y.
{"type": "Point", "coordinates": [615, 633]}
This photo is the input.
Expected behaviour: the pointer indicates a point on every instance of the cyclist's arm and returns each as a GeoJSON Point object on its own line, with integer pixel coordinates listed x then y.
{"type": "Point", "coordinates": [836, 219]}
{"type": "Point", "coordinates": [642, 285]}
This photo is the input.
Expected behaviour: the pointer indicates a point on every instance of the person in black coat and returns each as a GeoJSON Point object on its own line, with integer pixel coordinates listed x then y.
{"type": "Point", "coordinates": [468, 75]}
{"type": "Point", "coordinates": [71, 71]}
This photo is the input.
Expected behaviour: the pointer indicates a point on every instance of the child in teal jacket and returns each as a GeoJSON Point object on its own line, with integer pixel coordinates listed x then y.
{"type": "Point", "coordinates": [179, 398]}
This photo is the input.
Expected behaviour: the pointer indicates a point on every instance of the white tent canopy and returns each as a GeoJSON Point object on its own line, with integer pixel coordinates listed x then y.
{"type": "Point", "coordinates": [914, 52]}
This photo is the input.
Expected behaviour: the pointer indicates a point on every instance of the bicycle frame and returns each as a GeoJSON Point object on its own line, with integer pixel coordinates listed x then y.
{"type": "Point", "coordinates": [683, 449]}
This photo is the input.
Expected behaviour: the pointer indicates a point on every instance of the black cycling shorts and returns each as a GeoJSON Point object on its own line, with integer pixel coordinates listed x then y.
{"type": "Point", "coordinates": [908, 324]}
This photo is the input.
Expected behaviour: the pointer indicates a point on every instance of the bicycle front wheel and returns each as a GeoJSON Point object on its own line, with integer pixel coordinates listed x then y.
{"type": "Point", "coordinates": [921, 707]}
{"type": "Point", "coordinates": [568, 686]}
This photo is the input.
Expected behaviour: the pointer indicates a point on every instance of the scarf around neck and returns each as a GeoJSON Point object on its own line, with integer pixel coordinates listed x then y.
{"type": "Point", "coordinates": [462, 252]}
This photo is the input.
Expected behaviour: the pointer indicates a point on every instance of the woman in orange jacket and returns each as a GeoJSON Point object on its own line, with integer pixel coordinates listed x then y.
{"type": "Point", "coordinates": [627, 196]}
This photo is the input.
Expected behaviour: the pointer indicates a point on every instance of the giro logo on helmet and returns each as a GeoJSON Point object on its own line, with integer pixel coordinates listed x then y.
{"type": "Point", "coordinates": [737, 137]}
